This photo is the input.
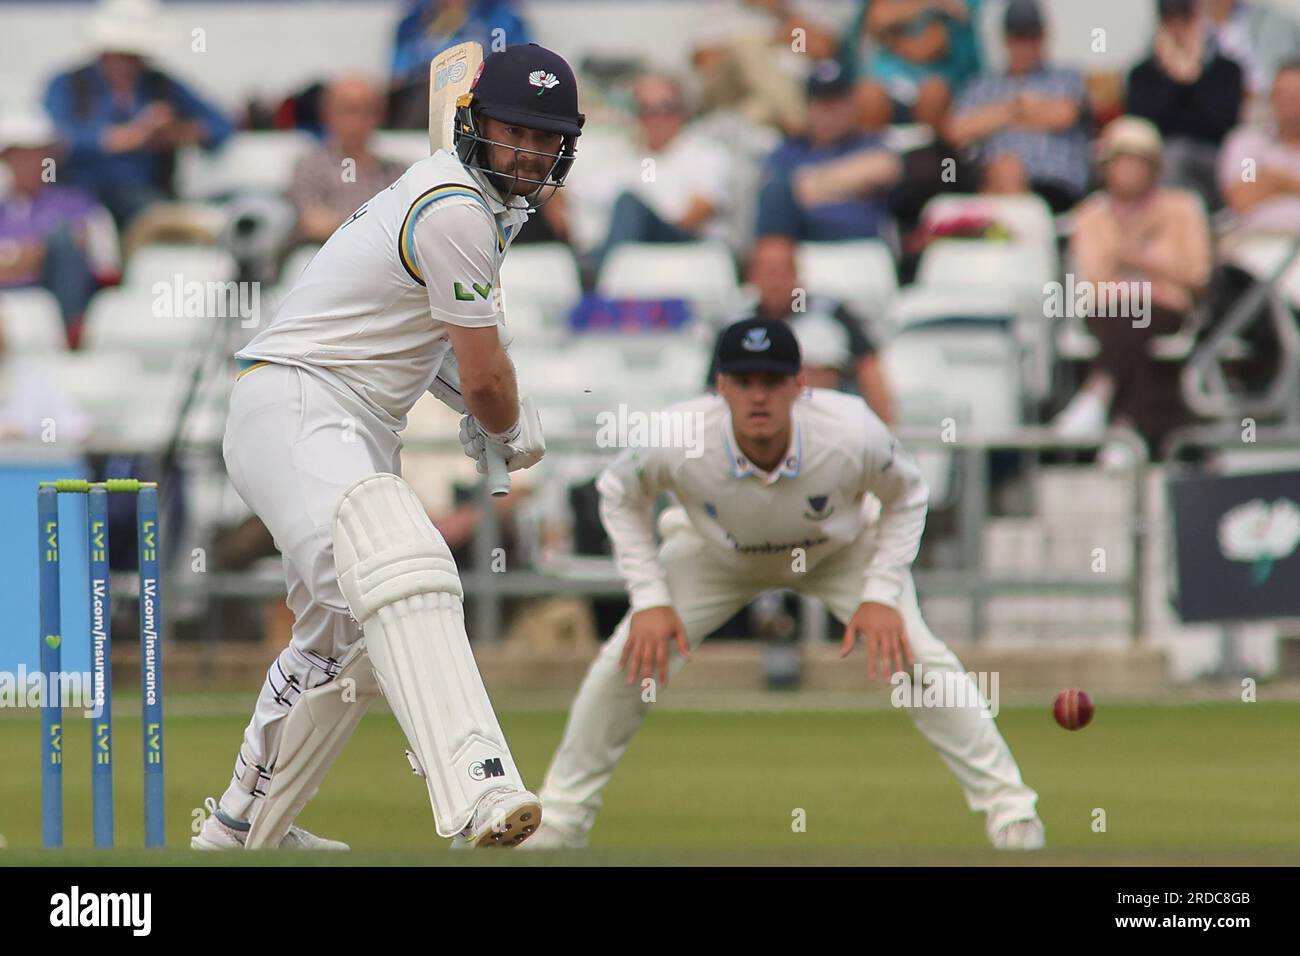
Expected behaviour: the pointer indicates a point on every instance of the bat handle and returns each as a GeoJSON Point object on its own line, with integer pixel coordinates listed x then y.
{"type": "Point", "coordinates": [497, 476]}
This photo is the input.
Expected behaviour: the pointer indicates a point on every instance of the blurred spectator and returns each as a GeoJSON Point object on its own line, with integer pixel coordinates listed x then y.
{"type": "Point", "coordinates": [1257, 37]}
{"type": "Point", "coordinates": [1191, 92]}
{"type": "Point", "coordinates": [1154, 241]}
{"type": "Point", "coordinates": [123, 119]}
{"type": "Point", "coordinates": [53, 236]}
{"type": "Point", "coordinates": [1259, 176]}
{"type": "Point", "coordinates": [923, 53]}
{"type": "Point", "coordinates": [681, 188]}
{"type": "Point", "coordinates": [32, 407]}
{"type": "Point", "coordinates": [1029, 126]}
{"type": "Point", "coordinates": [832, 182]}
{"type": "Point", "coordinates": [745, 60]}
{"type": "Point", "coordinates": [332, 181]}
{"type": "Point", "coordinates": [842, 356]}
{"type": "Point", "coordinates": [431, 26]}
{"type": "Point", "coordinates": [1259, 168]}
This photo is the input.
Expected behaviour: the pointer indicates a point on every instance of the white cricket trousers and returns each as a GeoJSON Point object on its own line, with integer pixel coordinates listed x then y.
{"type": "Point", "coordinates": [293, 445]}
{"type": "Point", "coordinates": [707, 589]}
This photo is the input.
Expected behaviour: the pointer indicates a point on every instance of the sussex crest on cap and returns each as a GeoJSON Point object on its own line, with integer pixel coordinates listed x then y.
{"type": "Point", "coordinates": [543, 80]}
{"type": "Point", "coordinates": [756, 340]}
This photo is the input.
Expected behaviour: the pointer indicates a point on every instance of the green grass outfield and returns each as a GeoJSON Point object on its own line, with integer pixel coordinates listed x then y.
{"type": "Point", "coordinates": [1189, 783]}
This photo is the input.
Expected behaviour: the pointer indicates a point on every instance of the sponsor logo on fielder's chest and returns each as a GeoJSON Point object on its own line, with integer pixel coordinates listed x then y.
{"type": "Point", "coordinates": [820, 506]}
{"type": "Point", "coordinates": [463, 295]}
{"type": "Point", "coordinates": [482, 769]}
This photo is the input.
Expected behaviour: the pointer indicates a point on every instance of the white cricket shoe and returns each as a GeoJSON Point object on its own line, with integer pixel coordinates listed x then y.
{"type": "Point", "coordinates": [503, 818]}
{"type": "Point", "coordinates": [220, 832]}
{"type": "Point", "coordinates": [551, 837]}
{"type": "Point", "coordinates": [1021, 835]}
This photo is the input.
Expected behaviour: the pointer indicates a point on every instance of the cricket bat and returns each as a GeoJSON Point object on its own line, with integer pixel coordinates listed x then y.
{"type": "Point", "coordinates": [450, 75]}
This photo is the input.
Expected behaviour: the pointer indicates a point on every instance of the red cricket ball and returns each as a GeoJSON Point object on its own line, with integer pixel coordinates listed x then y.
{"type": "Point", "coordinates": [1073, 709]}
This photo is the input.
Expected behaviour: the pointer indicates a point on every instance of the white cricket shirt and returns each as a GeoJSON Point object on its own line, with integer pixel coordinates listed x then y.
{"type": "Point", "coordinates": [842, 464]}
{"type": "Point", "coordinates": [372, 307]}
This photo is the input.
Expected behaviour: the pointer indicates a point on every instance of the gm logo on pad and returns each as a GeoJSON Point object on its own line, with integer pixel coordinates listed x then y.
{"type": "Point", "coordinates": [482, 769]}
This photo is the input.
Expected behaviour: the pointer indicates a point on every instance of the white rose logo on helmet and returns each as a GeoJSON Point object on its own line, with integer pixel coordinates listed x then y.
{"type": "Point", "coordinates": [542, 79]}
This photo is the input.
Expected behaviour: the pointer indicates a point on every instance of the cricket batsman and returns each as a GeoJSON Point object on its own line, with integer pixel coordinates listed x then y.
{"type": "Point", "coordinates": [781, 472]}
{"type": "Point", "coordinates": [403, 289]}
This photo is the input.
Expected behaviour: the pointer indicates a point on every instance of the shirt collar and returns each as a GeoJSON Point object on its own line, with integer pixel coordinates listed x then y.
{"type": "Point", "coordinates": [741, 466]}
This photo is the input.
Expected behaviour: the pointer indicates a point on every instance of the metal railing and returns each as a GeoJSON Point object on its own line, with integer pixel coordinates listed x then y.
{"type": "Point", "coordinates": [490, 589]}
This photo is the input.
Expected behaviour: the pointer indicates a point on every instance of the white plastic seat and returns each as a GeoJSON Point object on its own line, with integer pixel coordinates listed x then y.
{"type": "Point", "coordinates": [1261, 255]}
{"type": "Point", "coordinates": [984, 262]}
{"type": "Point", "coordinates": [133, 319]}
{"type": "Point", "coordinates": [248, 162]}
{"type": "Point", "coordinates": [860, 274]}
{"type": "Point", "coordinates": [703, 273]}
{"type": "Point", "coordinates": [164, 262]}
{"type": "Point", "coordinates": [969, 375]}
{"type": "Point", "coordinates": [32, 321]}
{"type": "Point", "coordinates": [542, 275]}
{"type": "Point", "coordinates": [404, 146]}
{"type": "Point", "coordinates": [1027, 217]}
{"type": "Point", "coordinates": [1019, 271]}
{"type": "Point", "coordinates": [104, 385]}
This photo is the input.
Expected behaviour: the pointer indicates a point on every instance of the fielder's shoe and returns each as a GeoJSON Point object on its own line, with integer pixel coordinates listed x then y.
{"type": "Point", "coordinates": [552, 837]}
{"type": "Point", "coordinates": [503, 818]}
{"type": "Point", "coordinates": [1021, 835]}
{"type": "Point", "coordinates": [223, 832]}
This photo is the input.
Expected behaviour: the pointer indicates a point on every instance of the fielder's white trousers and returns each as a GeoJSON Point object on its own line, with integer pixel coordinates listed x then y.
{"type": "Point", "coordinates": [707, 589]}
{"type": "Point", "coordinates": [293, 445]}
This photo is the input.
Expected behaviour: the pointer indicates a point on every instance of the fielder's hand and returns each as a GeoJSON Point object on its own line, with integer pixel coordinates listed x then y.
{"type": "Point", "coordinates": [886, 637]}
{"type": "Point", "coordinates": [653, 629]}
{"type": "Point", "coordinates": [521, 447]}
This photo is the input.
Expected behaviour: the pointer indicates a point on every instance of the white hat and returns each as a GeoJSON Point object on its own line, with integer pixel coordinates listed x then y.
{"type": "Point", "coordinates": [30, 127]}
{"type": "Point", "coordinates": [125, 26]}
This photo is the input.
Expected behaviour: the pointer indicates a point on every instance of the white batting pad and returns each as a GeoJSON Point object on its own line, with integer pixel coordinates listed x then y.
{"type": "Point", "coordinates": [315, 731]}
{"type": "Point", "coordinates": [401, 585]}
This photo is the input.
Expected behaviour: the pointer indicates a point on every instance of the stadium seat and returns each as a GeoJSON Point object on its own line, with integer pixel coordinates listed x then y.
{"type": "Point", "coordinates": [1012, 270]}
{"type": "Point", "coordinates": [131, 318]}
{"type": "Point", "coordinates": [860, 274]}
{"type": "Point", "coordinates": [248, 162]}
{"type": "Point", "coordinates": [544, 276]}
{"type": "Point", "coordinates": [1261, 256]}
{"type": "Point", "coordinates": [703, 273]}
{"type": "Point", "coordinates": [969, 375]}
{"type": "Point", "coordinates": [1028, 218]}
{"type": "Point", "coordinates": [32, 321]}
{"type": "Point", "coordinates": [405, 146]}
{"type": "Point", "coordinates": [107, 386]}
{"type": "Point", "coordinates": [163, 262]}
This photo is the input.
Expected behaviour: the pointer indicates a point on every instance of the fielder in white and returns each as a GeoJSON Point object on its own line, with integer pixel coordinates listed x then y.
{"type": "Point", "coordinates": [780, 471]}
{"type": "Point", "coordinates": [404, 288]}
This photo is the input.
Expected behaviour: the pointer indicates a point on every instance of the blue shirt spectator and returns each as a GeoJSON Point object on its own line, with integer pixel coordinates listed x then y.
{"type": "Point", "coordinates": [122, 120]}
{"type": "Point", "coordinates": [431, 26]}
{"type": "Point", "coordinates": [833, 182]}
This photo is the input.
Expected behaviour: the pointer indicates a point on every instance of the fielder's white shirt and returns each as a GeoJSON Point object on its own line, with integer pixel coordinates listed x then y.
{"type": "Point", "coordinates": [371, 309]}
{"type": "Point", "coordinates": [842, 465]}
